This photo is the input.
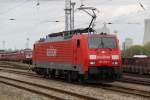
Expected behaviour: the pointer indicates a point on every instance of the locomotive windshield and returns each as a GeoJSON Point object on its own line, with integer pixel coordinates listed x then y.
{"type": "Point", "coordinates": [102, 42]}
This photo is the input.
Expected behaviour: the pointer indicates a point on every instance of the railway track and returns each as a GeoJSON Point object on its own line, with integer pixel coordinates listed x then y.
{"type": "Point", "coordinates": [20, 72]}
{"type": "Point", "coordinates": [136, 75]}
{"type": "Point", "coordinates": [36, 88]}
{"type": "Point", "coordinates": [23, 86]}
{"type": "Point", "coordinates": [9, 66]}
{"type": "Point", "coordinates": [112, 87]}
{"type": "Point", "coordinates": [43, 90]}
{"type": "Point", "coordinates": [14, 65]}
{"type": "Point", "coordinates": [136, 79]}
{"type": "Point", "coordinates": [126, 90]}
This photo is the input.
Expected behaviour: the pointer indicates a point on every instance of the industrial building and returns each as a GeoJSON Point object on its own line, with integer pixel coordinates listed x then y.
{"type": "Point", "coordinates": [147, 32]}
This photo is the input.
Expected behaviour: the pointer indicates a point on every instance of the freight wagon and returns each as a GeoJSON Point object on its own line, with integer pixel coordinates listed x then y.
{"type": "Point", "coordinates": [138, 65]}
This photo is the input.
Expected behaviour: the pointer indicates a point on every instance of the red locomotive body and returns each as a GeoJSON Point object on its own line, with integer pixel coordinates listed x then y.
{"type": "Point", "coordinates": [82, 56]}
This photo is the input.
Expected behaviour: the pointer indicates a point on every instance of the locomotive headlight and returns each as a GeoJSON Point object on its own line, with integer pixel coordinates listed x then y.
{"type": "Point", "coordinates": [92, 57]}
{"type": "Point", "coordinates": [115, 63]}
{"type": "Point", "coordinates": [92, 62]}
{"type": "Point", "coordinates": [115, 57]}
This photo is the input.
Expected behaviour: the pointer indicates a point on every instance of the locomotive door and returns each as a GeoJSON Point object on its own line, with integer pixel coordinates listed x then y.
{"type": "Point", "coordinates": [77, 52]}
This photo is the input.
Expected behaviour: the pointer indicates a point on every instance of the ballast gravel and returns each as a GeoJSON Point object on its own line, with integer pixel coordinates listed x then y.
{"type": "Point", "coordinates": [11, 93]}
{"type": "Point", "coordinates": [99, 93]}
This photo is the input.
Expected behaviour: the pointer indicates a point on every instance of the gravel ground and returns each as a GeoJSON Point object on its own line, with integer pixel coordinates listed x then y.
{"type": "Point", "coordinates": [90, 91]}
{"type": "Point", "coordinates": [133, 86]}
{"type": "Point", "coordinates": [15, 63]}
{"type": "Point", "coordinates": [11, 93]}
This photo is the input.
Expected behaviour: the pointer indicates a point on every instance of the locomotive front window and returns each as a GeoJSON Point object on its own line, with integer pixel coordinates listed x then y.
{"type": "Point", "coordinates": [102, 42]}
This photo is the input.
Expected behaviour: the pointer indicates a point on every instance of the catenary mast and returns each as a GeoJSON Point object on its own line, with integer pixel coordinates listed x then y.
{"type": "Point", "coordinates": [69, 15]}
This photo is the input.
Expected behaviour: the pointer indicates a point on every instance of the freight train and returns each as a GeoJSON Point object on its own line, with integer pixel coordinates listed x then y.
{"type": "Point", "coordinates": [82, 56]}
{"type": "Point", "coordinates": [24, 56]}
{"type": "Point", "coordinates": [137, 64]}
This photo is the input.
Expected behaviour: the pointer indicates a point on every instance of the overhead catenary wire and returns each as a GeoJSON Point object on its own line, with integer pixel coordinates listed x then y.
{"type": "Point", "coordinates": [61, 17]}
{"type": "Point", "coordinates": [134, 14]}
{"type": "Point", "coordinates": [82, 3]}
{"type": "Point", "coordinates": [141, 5]}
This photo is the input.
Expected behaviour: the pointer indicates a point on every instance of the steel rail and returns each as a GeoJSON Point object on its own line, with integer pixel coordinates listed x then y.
{"type": "Point", "coordinates": [50, 88]}
{"type": "Point", "coordinates": [110, 87]}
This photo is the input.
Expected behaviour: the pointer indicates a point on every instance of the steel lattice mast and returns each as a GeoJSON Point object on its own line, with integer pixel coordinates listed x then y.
{"type": "Point", "coordinates": [67, 15]}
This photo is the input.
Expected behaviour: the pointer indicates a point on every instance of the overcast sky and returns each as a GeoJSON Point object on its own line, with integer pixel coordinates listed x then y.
{"type": "Point", "coordinates": [35, 22]}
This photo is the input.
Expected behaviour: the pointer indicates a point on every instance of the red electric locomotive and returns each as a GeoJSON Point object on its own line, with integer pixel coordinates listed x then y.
{"type": "Point", "coordinates": [79, 56]}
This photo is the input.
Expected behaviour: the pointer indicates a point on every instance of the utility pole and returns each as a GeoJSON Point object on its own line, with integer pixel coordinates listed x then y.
{"type": "Point", "coordinates": [67, 15]}
{"type": "Point", "coordinates": [72, 15]}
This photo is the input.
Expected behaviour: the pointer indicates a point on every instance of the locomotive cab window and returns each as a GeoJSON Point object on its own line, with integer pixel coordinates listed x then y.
{"type": "Point", "coordinates": [102, 42]}
{"type": "Point", "coordinates": [78, 43]}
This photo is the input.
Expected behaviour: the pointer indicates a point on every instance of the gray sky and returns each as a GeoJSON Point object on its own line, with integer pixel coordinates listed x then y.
{"type": "Point", "coordinates": [34, 22]}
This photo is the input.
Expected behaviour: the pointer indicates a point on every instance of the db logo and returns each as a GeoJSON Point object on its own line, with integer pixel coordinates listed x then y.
{"type": "Point", "coordinates": [51, 52]}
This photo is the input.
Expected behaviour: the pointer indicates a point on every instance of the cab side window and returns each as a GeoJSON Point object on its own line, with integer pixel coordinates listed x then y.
{"type": "Point", "coordinates": [78, 43]}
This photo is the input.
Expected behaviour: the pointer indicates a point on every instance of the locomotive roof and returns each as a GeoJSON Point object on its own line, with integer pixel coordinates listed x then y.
{"type": "Point", "coordinates": [84, 30]}
{"type": "Point", "coordinates": [65, 34]}
{"type": "Point", "coordinates": [60, 36]}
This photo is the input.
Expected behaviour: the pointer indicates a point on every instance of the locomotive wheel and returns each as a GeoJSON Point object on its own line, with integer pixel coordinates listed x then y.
{"type": "Point", "coordinates": [38, 71]}
{"type": "Point", "coordinates": [52, 74]}
{"type": "Point", "coordinates": [45, 74]}
{"type": "Point", "coordinates": [81, 79]}
{"type": "Point", "coordinates": [69, 76]}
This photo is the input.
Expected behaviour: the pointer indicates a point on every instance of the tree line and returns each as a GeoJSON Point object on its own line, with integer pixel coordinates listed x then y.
{"type": "Point", "coordinates": [137, 50]}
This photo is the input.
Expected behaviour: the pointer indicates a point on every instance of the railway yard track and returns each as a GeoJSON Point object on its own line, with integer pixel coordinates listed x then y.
{"type": "Point", "coordinates": [39, 88]}
{"type": "Point", "coordinates": [14, 65]}
{"type": "Point", "coordinates": [127, 90]}
{"type": "Point", "coordinates": [43, 90]}
{"type": "Point", "coordinates": [55, 93]}
{"type": "Point", "coordinates": [136, 79]}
